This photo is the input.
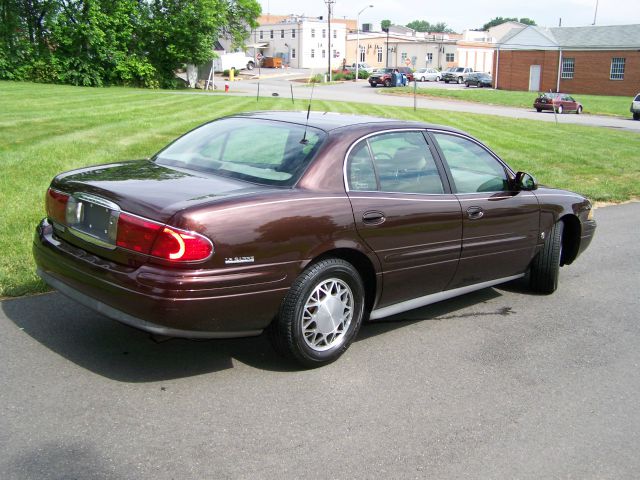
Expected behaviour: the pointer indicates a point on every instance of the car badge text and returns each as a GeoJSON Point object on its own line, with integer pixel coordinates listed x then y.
{"type": "Point", "coordinates": [233, 260]}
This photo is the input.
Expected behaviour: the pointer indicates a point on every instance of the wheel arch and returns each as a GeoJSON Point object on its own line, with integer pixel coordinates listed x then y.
{"type": "Point", "coordinates": [362, 264]}
{"type": "Point", "coordinates": [570, 239]}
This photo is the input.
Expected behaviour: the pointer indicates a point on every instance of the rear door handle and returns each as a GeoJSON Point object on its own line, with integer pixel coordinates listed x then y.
{"type": "Point", "coordinates": [373, 218]}
{"type": "Point", "coordinates": [474, 213]}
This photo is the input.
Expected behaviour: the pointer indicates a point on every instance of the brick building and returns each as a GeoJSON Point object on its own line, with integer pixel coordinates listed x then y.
{"type": "Point", "coordinates": [601, 60]}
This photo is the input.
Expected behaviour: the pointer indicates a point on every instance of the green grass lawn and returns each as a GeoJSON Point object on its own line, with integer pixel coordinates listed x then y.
{"type": "Point", "coordinates": [46, 129]}
{"type": "Point", "coordinates": [595, 104]}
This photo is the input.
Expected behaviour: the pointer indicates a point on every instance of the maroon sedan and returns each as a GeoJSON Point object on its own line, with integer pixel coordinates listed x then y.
{"type": "Point", "coordinates": [560, 102]}
{"type": "Point", "coordinates": [302, 226]}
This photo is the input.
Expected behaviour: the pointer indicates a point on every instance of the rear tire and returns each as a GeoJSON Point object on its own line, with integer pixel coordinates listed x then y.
{"type": "Point", "coordinates": [460, 80]}
{"type": "Point", "coordinates": [559, 109]}
{"type": "Point", "coordinates": [545, 267]}
{"type": "Point", "coordinates": [636, 115]}
{"type": "Point", "coordinates": [250, 65]}
{"type": "Point", "coordinates": [387, 83]}
{"type": "Point", "coordinates": [321, 314]}
{"type": "Point", "coordinates": [538, 110]}
{"type": "Point", "coordinates": [579, 110]}
{"type": "Point", "coordinates": [437, 79]}
{"type": "Point", "coordinates": [466, 84]}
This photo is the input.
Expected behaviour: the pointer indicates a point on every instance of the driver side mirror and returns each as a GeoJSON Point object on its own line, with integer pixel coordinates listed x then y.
{"type": "Point", "coordinates": [525, 181]}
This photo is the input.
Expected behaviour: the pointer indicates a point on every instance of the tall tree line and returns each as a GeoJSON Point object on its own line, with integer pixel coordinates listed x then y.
{"type": "Point", "coordinates": [103, 42]}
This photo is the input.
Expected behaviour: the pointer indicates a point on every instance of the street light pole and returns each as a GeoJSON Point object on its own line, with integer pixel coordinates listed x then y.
{"type": "Point", "coordinates": [358, 39]}
{"type": "Point", "coordinates": [329, 4]}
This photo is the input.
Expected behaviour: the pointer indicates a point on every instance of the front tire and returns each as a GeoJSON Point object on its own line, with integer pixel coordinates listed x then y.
{"type": "Point", "coordinates": [250, 65]}
{"type": "Point", "coordinates": [636, 115]}
{"type": "Point", "coordinates": [559, 109]}
{"type": "Point", "coordinates": [460, 80]}
{"type": "Point", "coordinates": [579, 110]}
{"type": "Point", "coordinates": [387, 83]}
{"type": "Point", "coordinates": [545, 267]}
{"type": "Point", "coordinates": [437, 79]}
{"type": "Point", "coordinates": [321, 314]}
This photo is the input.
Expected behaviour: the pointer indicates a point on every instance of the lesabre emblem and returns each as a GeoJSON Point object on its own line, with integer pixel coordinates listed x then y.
{"type": "Point", "coordinates": [232, 260]}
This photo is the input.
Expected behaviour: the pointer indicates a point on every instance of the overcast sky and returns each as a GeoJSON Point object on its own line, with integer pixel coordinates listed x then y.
{"type": "Point", "coordinates": [465, 14]}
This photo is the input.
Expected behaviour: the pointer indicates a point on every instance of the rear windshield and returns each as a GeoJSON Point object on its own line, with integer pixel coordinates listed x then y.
{"type": "Point", "coordinates": [637, 99]}
{"type": "Point", "coordinates": [259, 151]}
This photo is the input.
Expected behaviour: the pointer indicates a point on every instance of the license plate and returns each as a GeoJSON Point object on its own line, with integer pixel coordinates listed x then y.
{"type": "Point", "coordinates": [93, 219]}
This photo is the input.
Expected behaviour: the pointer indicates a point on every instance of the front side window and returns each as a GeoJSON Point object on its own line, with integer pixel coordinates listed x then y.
{"type": "Point", "coordinates": [568, 67]}
{"type": "Point", "coordinates": [472, 167]}
{"type": "Point", "coordinates": [401, 163]}
{"type": "Point", "coordinates": [258, 151]}
{"type": "Point", "coordinates": [617, 68]}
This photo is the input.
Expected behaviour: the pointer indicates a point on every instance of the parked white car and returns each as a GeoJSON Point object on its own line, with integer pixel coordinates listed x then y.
{"type": "Point", "coordinates": [361, 67]}
{"type": "Point", "coordinates": [427, 75]}
{"type": "Point", "coordinates": [635, 107]}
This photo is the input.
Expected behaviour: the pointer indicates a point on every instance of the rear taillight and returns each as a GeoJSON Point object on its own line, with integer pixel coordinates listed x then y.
{"type": "Point", "coordinates": [168, 243]}
{"type": "Point", "coordinates": [137, 234]}
{"type": "Point", "coordinates": [57, 205]}
{"type": "Point", "coordinates": [177, 245]}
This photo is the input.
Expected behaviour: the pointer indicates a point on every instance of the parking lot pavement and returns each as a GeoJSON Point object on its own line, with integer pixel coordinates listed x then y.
{"type": "Point", "coordinates": [496, 384]}
{"type": "Point", "coordinates": [361, 92]}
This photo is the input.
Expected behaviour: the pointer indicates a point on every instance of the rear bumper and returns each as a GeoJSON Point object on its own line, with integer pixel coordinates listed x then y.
{"type": "Point", "coordinates": [222, 303]}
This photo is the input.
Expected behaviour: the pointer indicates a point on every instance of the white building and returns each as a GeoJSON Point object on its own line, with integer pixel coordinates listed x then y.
{"type": "Point", "coordinates": [302, 42]}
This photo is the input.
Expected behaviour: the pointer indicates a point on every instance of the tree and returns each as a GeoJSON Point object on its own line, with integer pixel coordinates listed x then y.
{"type": "Point", "coordinates": [424, 26]}
{"type": "Point", "coordinates": [97, 42]}
{"type": "Point", "coordinates": [500, 20]}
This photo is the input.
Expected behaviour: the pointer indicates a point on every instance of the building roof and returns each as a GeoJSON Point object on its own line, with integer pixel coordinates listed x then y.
{"type": "Point", "coordinates": [610, 37]}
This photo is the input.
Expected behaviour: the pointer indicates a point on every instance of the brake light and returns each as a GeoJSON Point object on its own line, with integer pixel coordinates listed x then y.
{"type": "Point", "coordinates": [135, 233]}
{"type": "Point", "coordinates": [56, 203]}
{"type": "Point", "coordinates": [168, 243]}
{"type": "Point", "coordinates": [178, 245]}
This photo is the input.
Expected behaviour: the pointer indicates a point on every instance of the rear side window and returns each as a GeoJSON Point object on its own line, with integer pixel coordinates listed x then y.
{"type": "Point", "coordinates": [401, 162]}
{"type": "Point", "coordinates": [472, 167]}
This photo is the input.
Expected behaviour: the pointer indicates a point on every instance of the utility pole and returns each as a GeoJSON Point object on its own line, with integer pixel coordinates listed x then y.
{"type": "Point", "coordinates": [329, 5]}
{"type": "Point", "coordinates": [358, 39]}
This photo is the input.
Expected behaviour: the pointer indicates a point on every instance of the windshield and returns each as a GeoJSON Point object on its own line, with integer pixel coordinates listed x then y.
{"type": "Point", "coordinates": [259, 151]}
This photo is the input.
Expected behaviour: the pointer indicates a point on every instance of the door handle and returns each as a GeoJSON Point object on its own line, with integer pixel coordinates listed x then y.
{"type": "Point", "coordinates": [373, 218]}
{"type": "Point", "coordinates": [474, 213]}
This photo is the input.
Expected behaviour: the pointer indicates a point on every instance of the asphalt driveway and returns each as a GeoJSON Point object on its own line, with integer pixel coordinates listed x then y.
{"type": "Point", "coordinates": [496, 384]}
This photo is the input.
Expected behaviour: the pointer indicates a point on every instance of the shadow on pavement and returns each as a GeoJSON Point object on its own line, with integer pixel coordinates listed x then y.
{"type": "Point", "coordinates": [124, 354]}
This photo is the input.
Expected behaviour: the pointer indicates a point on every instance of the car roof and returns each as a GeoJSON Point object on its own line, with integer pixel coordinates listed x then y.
{"type": "Point", "coordinates": [328, 121]}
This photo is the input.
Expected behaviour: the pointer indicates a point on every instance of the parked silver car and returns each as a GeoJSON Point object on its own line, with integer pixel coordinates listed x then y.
{"type": "Point", "coordinates": [635, 107]}
{"type": "Point", "coordinates": [427, 75]}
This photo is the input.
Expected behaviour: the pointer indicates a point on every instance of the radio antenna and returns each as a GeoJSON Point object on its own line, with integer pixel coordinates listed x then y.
{"type": "Point", "coordinates": [304, 140]}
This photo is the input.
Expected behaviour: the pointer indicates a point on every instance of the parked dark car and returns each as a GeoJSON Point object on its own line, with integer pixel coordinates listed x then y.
{"type": "Point", "coordinates": [457, 75]}
{"type": "Point", "coordinates": [384, 76]}
{"type": "Point", "coordinates": [479, 80]}
{"type": "Point", "coordinates": [560, 102]}
{"type": "Point", "coordinates": [303, 227]}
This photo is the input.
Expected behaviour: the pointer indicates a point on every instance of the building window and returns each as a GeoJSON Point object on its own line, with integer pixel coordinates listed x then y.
{"type": "Point", "coordinates": [324, 54]}
{"type": "Point", "coordinates": [324, 33]}
{"type": "Point", "coordinates": [617, 68]}
{"type": "Point", "coordinates": [282, 33]}
{"type": "Point", "coordinates": [429, 57]}
{"type": "Point", "coordinates": [334, 34]}
{"type": "Point", "coordinates": [362, 54]}
{"type": "Point", "coordinates": [293, 53]}
{"type": "Point", "coordinates": [568, 67]}
{"type": "Point", "coordinates": [313, 53]}
{"type": "Point", "coordinates": [335, 54]}
{"type": "Point", "coordinates": [293, 33]}
{"type": "Point", "coordinates": [313, 33]}
{"type": "Point", "coordinates": [403, 56]}
{"type": "Point", "coordinates": [261, 34]}
{"type": "Point", "coordinates": [379, 54]}
{"type": "Point", "coordinates": [450, 57]}
{"type": "Point", "coordinates": [271, 34]}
